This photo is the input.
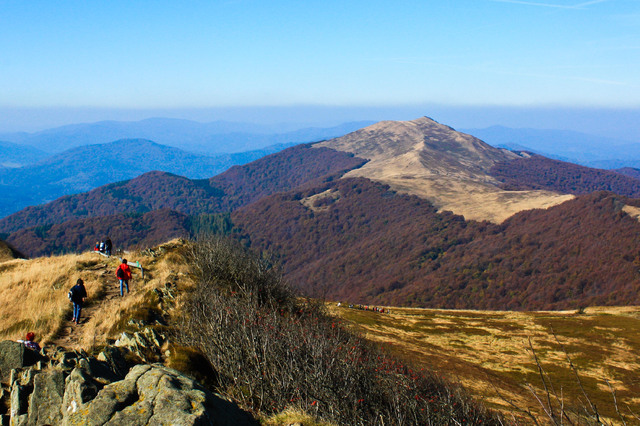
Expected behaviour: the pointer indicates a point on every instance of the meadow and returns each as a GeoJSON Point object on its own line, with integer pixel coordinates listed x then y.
{"type": "Point", "coordinates": [490, 354]}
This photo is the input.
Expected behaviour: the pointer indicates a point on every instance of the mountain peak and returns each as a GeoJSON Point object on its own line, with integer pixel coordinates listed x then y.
{"type": "Point", "coordinates": [433, 161]}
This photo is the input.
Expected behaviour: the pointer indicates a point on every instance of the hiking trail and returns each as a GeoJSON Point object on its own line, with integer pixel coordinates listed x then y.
{"type": "Point", "coordinates": [70, 334]}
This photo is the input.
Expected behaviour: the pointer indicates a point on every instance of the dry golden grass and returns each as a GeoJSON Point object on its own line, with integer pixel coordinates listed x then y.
{"type": "Point", "coordinates": [489, 351]}
{"type": "Point", "coordinates": [33, 294]}
{"type": "Point", "coordinates": [293, 416]}
{"type": "Point", "coordinates": [448, 168]}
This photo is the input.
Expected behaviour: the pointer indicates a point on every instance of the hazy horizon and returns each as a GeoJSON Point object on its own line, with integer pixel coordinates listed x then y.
{"type": "Point", "coordinates": [610, 122]}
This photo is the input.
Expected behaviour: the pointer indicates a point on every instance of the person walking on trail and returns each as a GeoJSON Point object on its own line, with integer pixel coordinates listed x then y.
{"type": "Point", "coordinates": [124, 275]}
{"type": "Point", "coordinates": [107, 247]}
{"type": "Point", "coordinates": [77, 294]}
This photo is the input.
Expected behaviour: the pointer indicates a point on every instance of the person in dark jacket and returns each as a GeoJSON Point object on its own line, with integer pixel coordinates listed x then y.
{"type": "Point", "coordinates": [78, 296]}
{"type": "Point", "coordinates": [124, 275]}
{"type": "Point", "coordinates": [107, 247]}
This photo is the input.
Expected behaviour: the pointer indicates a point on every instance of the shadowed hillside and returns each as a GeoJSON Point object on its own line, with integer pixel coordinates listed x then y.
{"type": "Point", "coordinates": [537, 172]}
{"type": "Point", "coordinates": [7, 252]}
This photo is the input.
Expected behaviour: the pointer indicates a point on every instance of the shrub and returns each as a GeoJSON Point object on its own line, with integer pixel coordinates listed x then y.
{"type": "Point", "coordinates": [273, 351]}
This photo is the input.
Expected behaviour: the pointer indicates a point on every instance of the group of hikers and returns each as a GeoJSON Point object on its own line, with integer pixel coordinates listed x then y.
{"type": "Point", "coordinates": [104, 246]}
{"type": "Point", "coordinates": [78, 293]}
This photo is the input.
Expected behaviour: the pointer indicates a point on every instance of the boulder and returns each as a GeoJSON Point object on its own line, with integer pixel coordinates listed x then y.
{"type": "Point", "coordinates": [46, 399]}
{"type": "Point", "coordinates": [115, 359]}
{"type": "Point", "coordinates": [19, 403]}
{"type": "Point", "coordinates": [14, 355]}
{"type": "Point", "coordinates": [157, 395]}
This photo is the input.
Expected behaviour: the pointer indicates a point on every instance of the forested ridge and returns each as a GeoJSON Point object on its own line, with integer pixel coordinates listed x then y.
{"type": "Point", "coordinates": [377, 247]}
{"type": "Point", "coordinates": [127, 230]}
{"type": "Point", "coordinates": [538, 172]}
{"type": "Point", "coordinates": [159, 190]}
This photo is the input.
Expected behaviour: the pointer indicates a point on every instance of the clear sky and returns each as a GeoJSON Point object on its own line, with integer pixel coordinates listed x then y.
{"type": "Point", "coordinates": [201, 54]}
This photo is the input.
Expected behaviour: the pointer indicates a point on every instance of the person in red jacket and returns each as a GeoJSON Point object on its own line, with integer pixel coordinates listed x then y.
{"type": "Point", "coordinates": [124, 275]}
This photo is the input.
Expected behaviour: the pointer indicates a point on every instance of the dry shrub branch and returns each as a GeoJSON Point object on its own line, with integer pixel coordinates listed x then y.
{"type": "Point", "coordinates": [273, 351]}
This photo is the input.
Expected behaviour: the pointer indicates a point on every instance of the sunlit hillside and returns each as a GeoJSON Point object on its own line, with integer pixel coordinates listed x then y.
{"type": "Point", "coordinates": [490, 353]}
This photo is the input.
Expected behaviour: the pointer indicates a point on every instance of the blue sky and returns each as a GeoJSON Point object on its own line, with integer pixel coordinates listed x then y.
{"type": "Point", "coordinates": [204, 54]}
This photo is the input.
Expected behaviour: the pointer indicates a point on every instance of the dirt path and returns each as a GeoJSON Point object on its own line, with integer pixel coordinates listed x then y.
{"type": "Point", "coordinates": [70, 334]}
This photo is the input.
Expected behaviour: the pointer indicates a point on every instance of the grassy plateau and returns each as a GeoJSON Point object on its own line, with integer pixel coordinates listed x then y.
{"type": "Point", "coordinates": [489, 353]}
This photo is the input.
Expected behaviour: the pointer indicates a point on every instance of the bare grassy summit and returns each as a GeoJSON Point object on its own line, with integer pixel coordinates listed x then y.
{"type": "Point", "coordinates": [437, 163]}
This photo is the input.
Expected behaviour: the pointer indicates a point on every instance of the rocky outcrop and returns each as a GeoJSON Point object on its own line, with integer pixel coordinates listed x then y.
{"type": "Point", "coordinates": [155, 395]}
{"type": "Point", "coordinates": [73, 388]}
{"type": "Point", "coordinates": [14, 355]}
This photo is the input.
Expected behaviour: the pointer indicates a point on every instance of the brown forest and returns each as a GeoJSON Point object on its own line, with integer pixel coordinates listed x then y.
{"type": "Point", "coordinates": [373, 246]}
{"type": "Point", "coordinates": [539, 172]}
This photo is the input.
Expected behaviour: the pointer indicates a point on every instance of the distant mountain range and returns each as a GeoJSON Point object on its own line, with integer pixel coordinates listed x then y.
{"type": "Point", "coordinates": [565, 145]}
{"type": "Point", "coordinates": [87, 167]}
{"type": "Point", "coordinates": [14, 155]}
{"type": "Point", "coordinates": [405, 213]}
{"type": "Point", "coordinates": [156, 190]}
{"type": "Point", "coordinates": [206, 138]}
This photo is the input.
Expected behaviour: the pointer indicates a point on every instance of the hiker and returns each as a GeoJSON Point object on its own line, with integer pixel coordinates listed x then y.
{"type": "Point", "coordinates": [124, 275]}
{"type": "Point", "coordinates": [101, 246]}
{"type": "Point", "coordinates": [29, 342]}
{"type": "Point", "coordinates": [107, 247]}
{"type": "Point", "coordinates": [97, 247]}
{"type": "Point", "coordinates": [77, 294]}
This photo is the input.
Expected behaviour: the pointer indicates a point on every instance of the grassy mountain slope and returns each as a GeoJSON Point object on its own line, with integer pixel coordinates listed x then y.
{"type": "Point", "coordinates": [489, 353]}
{"type": "Point", "coordinates": [156, 190]}
{"type": "Point", "coordinates": [358, 241]}
{"type": "Point", "coordinates": [337, 376]}
{"type": "Point", "coordinates": [486, 351]}
{"type": "Point", "coordinates": [448, 168]}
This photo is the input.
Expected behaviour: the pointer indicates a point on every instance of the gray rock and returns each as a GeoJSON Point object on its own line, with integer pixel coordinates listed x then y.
{"type": "Point", "coordinates": [14, 355]}
{"type": "Point", "coordinates": [80, 388]}
{"type": "Point", "coordinates": [110, 400]}
{"type": "Point", "coordinates": [18, 401]}
{"type": "Point", "coordinates": [46, 399]}
{"type": "Point", "coordinates": [114, 358]}
{"type": "Point", "coordinates": [98, 370]}
{"type": "Point", "coordinates": [156, 395]}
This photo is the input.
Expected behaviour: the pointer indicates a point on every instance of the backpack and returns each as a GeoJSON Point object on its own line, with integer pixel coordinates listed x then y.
{"type": "Point", "coordinates": [70, 295]}
{"type": "Point", "coordinates": [120, 273]}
